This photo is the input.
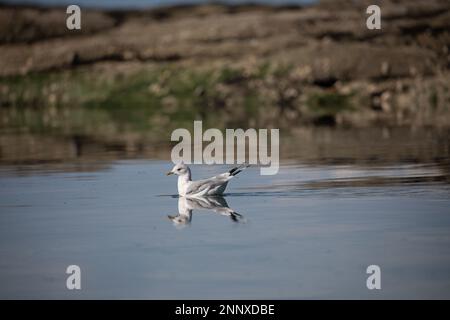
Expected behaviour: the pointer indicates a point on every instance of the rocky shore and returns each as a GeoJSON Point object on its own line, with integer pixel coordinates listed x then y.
{"type": "Point", "coordinates": [229, 65]}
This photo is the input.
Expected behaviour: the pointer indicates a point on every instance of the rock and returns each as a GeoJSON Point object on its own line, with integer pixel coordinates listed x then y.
{"type": "Point", "coordinates": [23, 24]}
{"type": "Point", "coordinates": [389, 74]}
{"type": "Point", "coordinates": [36, 40]}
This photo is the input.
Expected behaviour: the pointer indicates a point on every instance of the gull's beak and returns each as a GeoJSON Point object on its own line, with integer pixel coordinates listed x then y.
{"type": "Point", "coordinates": [169, 173]}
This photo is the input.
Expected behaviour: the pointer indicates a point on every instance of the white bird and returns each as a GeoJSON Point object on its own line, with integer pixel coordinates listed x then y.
{"type": "Point", "coordinates": [184, 215]}
{"type": "Point", "coordinates": [207, 187]}
{"type": "Point", "coordinates": [217, 204]}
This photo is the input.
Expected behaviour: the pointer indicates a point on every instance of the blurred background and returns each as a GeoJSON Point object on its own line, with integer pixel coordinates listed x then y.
{"type": "Point", "coordinates": [139, 69]}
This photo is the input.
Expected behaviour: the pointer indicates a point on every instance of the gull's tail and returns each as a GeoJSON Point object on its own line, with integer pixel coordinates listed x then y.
{"type": "Point", "coordinates": [238, 169]}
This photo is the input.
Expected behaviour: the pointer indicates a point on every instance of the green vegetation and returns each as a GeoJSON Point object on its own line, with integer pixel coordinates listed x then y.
{"type": "Point", "coordinates": [150, 99]}
{"type": "Point", "coordinates": [433, 99]}
{"type": "Point", "coordinates": [154, 99]}
{"type": "Point", "coordinates": [328, 104]}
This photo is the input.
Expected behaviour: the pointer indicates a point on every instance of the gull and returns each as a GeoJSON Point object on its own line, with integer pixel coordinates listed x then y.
{"type": "Point", "coordinates": [207, 187]}
{"type": "Point", "coordinates": [184, 215]}
{"type": "Point", "coordinates": [217, 204]}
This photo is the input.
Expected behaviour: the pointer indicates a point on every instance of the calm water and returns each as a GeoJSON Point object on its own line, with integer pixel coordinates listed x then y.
{"type": "Point", "coordinates": [308, 232]}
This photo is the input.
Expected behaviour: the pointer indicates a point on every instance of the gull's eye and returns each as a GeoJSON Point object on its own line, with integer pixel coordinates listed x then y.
{"type": "Point", "coordinates": [178, 169]}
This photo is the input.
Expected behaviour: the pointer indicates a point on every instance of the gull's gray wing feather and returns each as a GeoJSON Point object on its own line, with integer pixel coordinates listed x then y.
{"type": "Point", "coordinates": [200, 186]}
{"type": "Point", "coordinates": [207, 202]}
{"type": "Point", "coordinates": [206, 184]}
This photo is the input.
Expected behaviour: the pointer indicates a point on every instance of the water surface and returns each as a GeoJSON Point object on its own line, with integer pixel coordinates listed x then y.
{"type": "Point", "coordinates": [308, 232]}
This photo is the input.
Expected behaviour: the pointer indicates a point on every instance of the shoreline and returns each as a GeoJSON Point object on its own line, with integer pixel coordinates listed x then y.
{"type": "Point", "coordinates": [244, 66]}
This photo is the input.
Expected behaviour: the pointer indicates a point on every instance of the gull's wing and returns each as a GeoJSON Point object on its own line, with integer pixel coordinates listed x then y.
{"type": "Point", "coordinates": [207, 202]}
{"type": "Point", "coordinates": [217, 203]}
{"type": "Point", "coordinates": [203, 186]}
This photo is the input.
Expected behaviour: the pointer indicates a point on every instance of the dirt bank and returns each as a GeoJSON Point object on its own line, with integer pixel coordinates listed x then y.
{"type": "Point", "coordinates": [249, 65]}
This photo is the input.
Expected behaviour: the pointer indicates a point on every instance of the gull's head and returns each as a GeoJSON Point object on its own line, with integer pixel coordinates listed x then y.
{"type": "Point", "coordinates": [179, 169]}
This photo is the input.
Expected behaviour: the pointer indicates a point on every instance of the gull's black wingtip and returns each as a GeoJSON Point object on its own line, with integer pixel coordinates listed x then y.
{"type": "Point", "coordinates": [238, 169]}
{"type": "Point", "coordinates": [236, 217]}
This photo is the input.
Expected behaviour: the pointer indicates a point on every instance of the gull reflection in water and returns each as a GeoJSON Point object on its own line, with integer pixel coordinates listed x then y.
{"type": "Point", "coordinates": [217, 204]}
